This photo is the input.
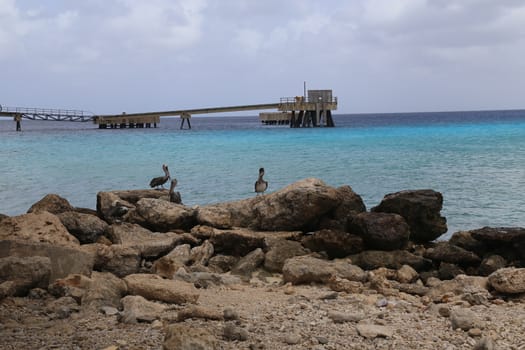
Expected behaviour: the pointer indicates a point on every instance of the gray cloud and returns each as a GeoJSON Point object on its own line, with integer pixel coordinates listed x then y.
{"type": "Point", "coordinates": [377, 55]}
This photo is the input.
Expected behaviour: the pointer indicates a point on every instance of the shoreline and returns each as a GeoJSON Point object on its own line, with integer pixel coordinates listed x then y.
{"type": "Point", "coordinates": [307, 266]}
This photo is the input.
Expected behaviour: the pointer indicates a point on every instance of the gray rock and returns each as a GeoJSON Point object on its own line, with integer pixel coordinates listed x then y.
{"type": "Point", "coordinates": [382, 231]}
{"type": "Point", "coordinates": [491, 264]}
{"type": "Point", "coordinates": [202, 254]}
{"type": "Point", "coordinates": [25, 273]}
{"type": "Point", "coordinates": [160, 215]}
{"type": "Point", "coordinates": [308, 269]}
{"type": "Point", "coordinates": [105, 290]}
{"type": "Point", "coordinates": [499, 234]}
{"type": "Point", "coordinates": [373, 259]}
{"type": "Point", "coordinates": [337, 244]}
{"type": "Point", "coordinates": [65, 260]}
{"type": "Point", "coordinates": [278, 250]}
{"type": "Point", "coordinates": [444, 251]}
{"type": "Point", "coordinates": [342, 317]}
{"type": "Point", "coordinates": [465, 319]}
{"type": "Point", "coordinates": [249, 263]}
{"type": "Point", "coordinates": [233, 332]}
{"type": "Point", "coordinates": [421, 210]}
{"type": "Point", "coordinates": [116, 258]}
{"type": "Point", "coordinates": [222, 263]}
{"type": "Point", "coordinates": [86, 228]}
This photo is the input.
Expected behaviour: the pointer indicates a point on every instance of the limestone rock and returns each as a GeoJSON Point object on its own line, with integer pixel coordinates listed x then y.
{"type": "Point", "coordinates": [491, 263]}
{"type": "Point", "coordinates": [52, 203]}
{"type": "Point", "coordinates": [116, 258]}
{"type": "Point", "coordinates": [180, 336]}
{"type": "Point", "coordinates": [147, 243]}
{"type": "Point", "coordinates": [278, 250]}
{"type": "Point", "coordinates": [105, 290]}
{"type": "Point", "coordinates": [444, 251]}
{"type": "Point", "coordinates": [499, 234]}
{"type": "Point", "coordinates": [153, 287]}
{"type": "Point", "coordinates": [86, 228]}
{"type": "Point", "coordinates": [337, 244]}
{"type": "Point", "coordinates": [373, 259]}
{"type": "Point", "coordinates": [111, 207]}
{"type": "Point", "coordinates": [169, 264]}
{"type": "Point", "coordinates": [382, 231]}
{"type": "Point", "coordinates": [465, 240]}
{"type": "Point", "coordinates": [308, 269]}
{"type": "Point", "coordinates": [465, 319]}
{"type": "Point", "coordinates": [25, 273]}
{"type": "Point", "coordinates": [247, 264]}
{"type": "Point", "coordinates": [202, 254]}
{"type": "Point", "coordinates": [460, 285]}
{"type": "Point", "coordinates": [160, 215]}
{"type": "Point", "coordinates": [508, 280]}
{"type": "Point", "coordinates": [374, 331]}
{"type": "Point", "coordinates": [299, 206]}
{"type": "Point", "coordinates": [222, 263]}
{"type": "Point", "coordinates": [239, 241]}
{"type": "Point", "coordinates": [40, 226]}
{"type": "Point", "coordinates": [65, 260]}
{"type": "Point", "coordinates": [138, 309]}
{"type": "Point", "coordinates": [421, 210]}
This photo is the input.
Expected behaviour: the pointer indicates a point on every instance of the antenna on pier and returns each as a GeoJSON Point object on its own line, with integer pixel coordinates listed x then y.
{"type": "Point", "coordinates": [304, 90]}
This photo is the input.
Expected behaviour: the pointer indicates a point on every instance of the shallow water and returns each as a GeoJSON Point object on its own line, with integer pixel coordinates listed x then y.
{"type": "Point", "coordinates": [475, 159]}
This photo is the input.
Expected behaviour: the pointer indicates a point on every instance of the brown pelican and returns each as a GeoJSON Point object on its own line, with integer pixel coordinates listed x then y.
{"type": "Point", "coordinates": [260, 184]}
{"type": "Point", "coordinates": [161, 180]}
{"type": "Point", "coordinates": [174, 196]}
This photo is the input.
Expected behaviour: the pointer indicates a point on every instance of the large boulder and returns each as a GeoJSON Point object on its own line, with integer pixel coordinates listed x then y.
{"type": "Point", "coordinates": [86, 228]}
{"type": "Point", "coordinates": [149, 244]}
{"type": "Point", "coordinates": [508, 280]}
{"type": "Point", "coordinates": [460, 285]}
{"type": "Point", "coordinates": [138, 309]}
{"type": "Point", "coordinates": [40, 226]}
{"type": "Point", "coordinates": [153, 287]}
{"type": "Point", "coordinates": [383, 231]}
{"type": "Point", "coordinates": [247, 264]}
{"type": "Point", "coordinates": [465, 240]}
{"type": "Point", "coordinates": [299, 206]}
{"type": "Point", "coordinates": [350, 205]}
{"type": "Point", "coordinates": [444, 251]}
{"type": "Point", "coordinates": [421, 210]}
{"type": "Point", "coordinates": [239, 241]}
{"type": "Point", "coordinates": [64, 260]}
{"type": "Point", "coordinates": [25, 273]}
{"type": "Point", "coordinates": [309, 269]}
{"type": "Point", "coordinates": [373, 259]}
{"type": "Point", "coordinates": [499, 235]}
{"type": "Point", "coordinates": [336, 243]}
{"type": "Point", "coordinates": [170, 263]}
{"type": "Point", "coordinates": [111, 207]}
{"type": "Point", "coordinates": [160, 215]}
{"type": "Point", "coordinates": [278, 251]}
{"type": "Point", "coordinates": [52, 203]}
{"type": "Point", "coordinates": [118, 259]}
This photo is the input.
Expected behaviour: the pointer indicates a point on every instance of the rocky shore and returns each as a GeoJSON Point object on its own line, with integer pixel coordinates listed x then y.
{"type": "Point", "coordinates": [305, 267]}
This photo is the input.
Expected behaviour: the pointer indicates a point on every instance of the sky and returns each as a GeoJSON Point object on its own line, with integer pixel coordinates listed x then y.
{"type": "Point", "coordinates": [378, 56]}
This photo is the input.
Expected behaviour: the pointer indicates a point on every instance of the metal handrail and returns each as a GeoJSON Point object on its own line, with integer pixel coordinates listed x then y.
{"type": "Point", "coordinates": [302, 99]}
{"type": "Point", "coordinates": [46, 111]}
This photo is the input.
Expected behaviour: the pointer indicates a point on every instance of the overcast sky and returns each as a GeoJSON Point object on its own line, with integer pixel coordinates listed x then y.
{"type": "Point", "coordinates": [110, 56]}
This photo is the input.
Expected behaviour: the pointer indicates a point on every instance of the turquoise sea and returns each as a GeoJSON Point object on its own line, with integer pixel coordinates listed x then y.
{"type": "Point", "coordinates": [475, 159]}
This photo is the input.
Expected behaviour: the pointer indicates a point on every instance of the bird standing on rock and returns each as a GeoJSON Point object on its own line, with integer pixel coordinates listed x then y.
{"type": "Point", "coordinates": [161, 180]}
{"type": "Point", "coordinates": [174, 196]}
{"type": "Point", "coordinates": [260, 184]}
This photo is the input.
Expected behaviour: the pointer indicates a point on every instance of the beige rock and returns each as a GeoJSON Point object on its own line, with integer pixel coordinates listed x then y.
{"type": "Point", "coordinates": [169, 264]}
{"type": "Point", "coordinates": [52, 203]}
{"type": "Point", "coordinates": [180, 336]}
{"type": "Point", "coordinates": [38, 227]}
{"type": "Point", "coordinates": [162, 216]}
{"type": "Point", "coordinates": [508, 280]}
{"type": "Point", "coordinates": [153, 287]}
{"type": "Point", "coordinates": [374, 331]}
{"type": "Point", "coordinates": [138, 309]}
{"type": "Point", "coordinates": [308, 269]}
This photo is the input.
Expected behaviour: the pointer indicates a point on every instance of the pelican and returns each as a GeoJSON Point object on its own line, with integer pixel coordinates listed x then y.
{"type": "Point", "coordinates": [161, 180]}
{"type": "Point", "coordinates": [174, 196]}
{"type": "Point", "coordinates": [260, 184]}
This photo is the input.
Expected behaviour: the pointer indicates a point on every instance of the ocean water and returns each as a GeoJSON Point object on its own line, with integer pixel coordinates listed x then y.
{"type": "Point", "coordinates": [475, 159]}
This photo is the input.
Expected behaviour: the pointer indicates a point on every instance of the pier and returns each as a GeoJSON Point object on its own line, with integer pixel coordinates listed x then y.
{"type": "Point", "coordinates": [311, 110]}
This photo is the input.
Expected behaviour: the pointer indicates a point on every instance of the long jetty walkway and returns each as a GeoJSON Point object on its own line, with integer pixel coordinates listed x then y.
{"type": "Point", "coordinates": [300, 111]}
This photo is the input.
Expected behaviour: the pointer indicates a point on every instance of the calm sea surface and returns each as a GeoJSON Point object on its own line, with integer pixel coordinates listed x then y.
{"type": "Point", "coordinates": [475, 159]}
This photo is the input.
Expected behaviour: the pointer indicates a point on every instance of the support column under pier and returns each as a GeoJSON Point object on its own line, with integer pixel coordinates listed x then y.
{"type": "Point", "coordinates": [18, 120]}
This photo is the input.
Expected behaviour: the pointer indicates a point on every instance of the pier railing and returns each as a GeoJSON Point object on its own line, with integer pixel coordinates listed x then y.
{"type": "Point", "coordinates": [47, 113]}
